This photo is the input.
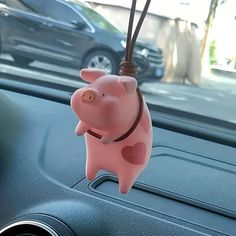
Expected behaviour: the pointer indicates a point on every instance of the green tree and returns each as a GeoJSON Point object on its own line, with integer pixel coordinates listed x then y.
{"type": "Point", "coordinates": [212, 53]}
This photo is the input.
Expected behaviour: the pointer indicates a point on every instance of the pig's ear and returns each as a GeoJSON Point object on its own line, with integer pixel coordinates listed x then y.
{"type": "Point", "coordinates": [129, 83]}
{"type": "Point", "coordinates": [90, 75]}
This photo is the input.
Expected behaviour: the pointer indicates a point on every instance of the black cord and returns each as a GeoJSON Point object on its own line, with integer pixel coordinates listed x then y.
{"type": "Point", "coordinates": [130, 29]}
{"type": "Point", "coordinates": [128, 67]}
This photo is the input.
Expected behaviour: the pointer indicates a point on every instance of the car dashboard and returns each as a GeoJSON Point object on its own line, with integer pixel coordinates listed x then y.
{"type": "Point", "coordinates": [188, 187]}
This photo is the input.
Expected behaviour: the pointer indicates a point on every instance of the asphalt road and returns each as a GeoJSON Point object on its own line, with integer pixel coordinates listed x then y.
{"type": "Point", "coordinates": [207, 102]}
{"type": "Point", "coordinates": [41, 71]}
{"type": "Point", "coordinates": [214, 97]}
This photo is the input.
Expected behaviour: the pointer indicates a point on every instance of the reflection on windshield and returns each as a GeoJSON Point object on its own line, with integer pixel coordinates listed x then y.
{"type": "Point", "coordinates": [186, 56]}
{"type": "Point", "coordinates": [97, 19]}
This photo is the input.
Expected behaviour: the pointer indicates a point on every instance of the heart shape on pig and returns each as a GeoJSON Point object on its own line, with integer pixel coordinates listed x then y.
{"type": "Point", "coordinates": [135, 154]}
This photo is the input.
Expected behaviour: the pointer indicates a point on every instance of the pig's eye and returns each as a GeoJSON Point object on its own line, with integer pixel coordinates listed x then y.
{"type": "Point", "coordinates": [103, 94]}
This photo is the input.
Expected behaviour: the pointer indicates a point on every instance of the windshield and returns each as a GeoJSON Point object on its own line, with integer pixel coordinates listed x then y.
{"type": "Point", "coordinates": [185, 58]}
{"type": "Point", "coordinates": [96, 19]}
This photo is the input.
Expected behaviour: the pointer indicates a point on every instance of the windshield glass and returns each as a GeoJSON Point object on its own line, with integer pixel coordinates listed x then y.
{"type": "Point", "coordinates": [96, 19]}
{"type": "Point", "coordinates": [185, 55]}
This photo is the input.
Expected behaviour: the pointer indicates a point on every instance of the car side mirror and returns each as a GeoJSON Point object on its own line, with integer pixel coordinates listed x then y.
{"type": "Point", "coordinates": [80, 25]}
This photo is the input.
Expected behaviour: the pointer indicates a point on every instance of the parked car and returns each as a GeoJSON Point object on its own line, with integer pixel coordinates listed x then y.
{"type": "Point", "coordinates": [69, 33]}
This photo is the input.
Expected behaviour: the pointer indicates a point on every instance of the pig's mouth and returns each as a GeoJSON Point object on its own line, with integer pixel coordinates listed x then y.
{"type": "Point", "coordinates": [133, 127]}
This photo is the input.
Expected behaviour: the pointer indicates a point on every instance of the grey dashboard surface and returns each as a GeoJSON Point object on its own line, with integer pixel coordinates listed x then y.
{"type": "Point", "coordinates": [188, 187]}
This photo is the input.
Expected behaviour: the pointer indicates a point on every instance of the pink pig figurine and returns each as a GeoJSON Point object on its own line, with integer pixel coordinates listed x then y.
{"type": "Point", "coordinates": [117, 126]}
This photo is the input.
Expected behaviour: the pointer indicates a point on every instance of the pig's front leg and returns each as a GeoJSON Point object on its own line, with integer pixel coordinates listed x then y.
{"type": "Point", "coordinates": [81, 128]}
{"type": "Point", "coordinates": [110, 136]}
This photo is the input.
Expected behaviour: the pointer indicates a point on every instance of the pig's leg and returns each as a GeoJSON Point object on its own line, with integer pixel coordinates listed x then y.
{"type": "Point", "coordinates": [125, 183]}
{"type": "Point", "coordinates": [91, 169]}
{"type": "Point", "coordinates": [81, 128]}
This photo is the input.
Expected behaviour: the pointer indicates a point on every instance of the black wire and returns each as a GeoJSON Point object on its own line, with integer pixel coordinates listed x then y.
{"type": "Point", "coordinates": [132, 39]}
{"type": "Point", "coordinates": [130, 28]}
{"type": "Point", "coordinates": [138, 27]}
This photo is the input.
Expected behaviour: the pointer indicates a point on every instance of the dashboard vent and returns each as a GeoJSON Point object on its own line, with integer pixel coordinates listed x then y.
{"type": "Point", "coordinates": [28, 228]}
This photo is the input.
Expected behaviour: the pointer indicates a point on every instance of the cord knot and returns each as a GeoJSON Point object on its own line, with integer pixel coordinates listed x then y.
{"type": "Point", "coordinates": [127, 68]}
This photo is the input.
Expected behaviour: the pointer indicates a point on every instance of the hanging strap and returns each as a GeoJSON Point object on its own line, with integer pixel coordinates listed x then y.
{"type": "Point", "coordinates": [128, 67]}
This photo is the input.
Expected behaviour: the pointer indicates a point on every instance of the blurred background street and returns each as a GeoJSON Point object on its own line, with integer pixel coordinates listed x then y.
{"type": "Point", "coordinates": [214, 96]}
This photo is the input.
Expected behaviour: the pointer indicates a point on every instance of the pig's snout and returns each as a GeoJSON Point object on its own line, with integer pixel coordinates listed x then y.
{"type": "Point", "coordinates": [88, 95]}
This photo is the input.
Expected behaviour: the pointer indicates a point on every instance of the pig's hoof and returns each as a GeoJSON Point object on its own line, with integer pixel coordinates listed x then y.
{"type": "Point", "coordinates": [124, 190]}
{"type": "Point", "coordinates": [78, 133]}
{"type": "Point", "coordinates": [91, 175]}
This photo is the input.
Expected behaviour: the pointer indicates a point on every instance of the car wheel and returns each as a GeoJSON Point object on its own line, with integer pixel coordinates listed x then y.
{"type": "Point", "coordinates": [21, 60]}
{"type": "Point", "coordinates": [101, 60]}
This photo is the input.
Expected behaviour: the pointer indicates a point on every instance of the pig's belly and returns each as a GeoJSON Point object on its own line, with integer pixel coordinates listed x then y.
{"type": "Point", "coordinates": [128, 156]}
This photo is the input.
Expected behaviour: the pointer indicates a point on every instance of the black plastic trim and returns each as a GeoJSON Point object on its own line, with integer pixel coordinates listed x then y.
{"type": "Point", "coordinates": [161, 192]}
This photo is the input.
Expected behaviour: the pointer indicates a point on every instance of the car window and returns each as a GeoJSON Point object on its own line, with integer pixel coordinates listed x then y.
{"type": "Point", "coordinates": [185, 52]}
{"type": "Point", "coordinates": [96, 19]}
{"type": "Point", "coordinates": [59, 11]}
{"type": "Point", "coordinates": [25, 5]}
